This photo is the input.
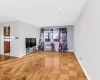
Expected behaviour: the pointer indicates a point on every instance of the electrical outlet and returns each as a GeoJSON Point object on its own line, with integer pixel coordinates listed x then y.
{"type": "Point", "coordinates": [80, 58]}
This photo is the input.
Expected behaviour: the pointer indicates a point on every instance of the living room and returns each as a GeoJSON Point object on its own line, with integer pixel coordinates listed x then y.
{"type": "Point", "coordinates": [39, 45]}
{"type": "Point", "coordinates": [49, 40]}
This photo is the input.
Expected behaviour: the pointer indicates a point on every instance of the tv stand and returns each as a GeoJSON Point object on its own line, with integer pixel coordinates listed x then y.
{"type": "Point", "coordinates": [30, 50]}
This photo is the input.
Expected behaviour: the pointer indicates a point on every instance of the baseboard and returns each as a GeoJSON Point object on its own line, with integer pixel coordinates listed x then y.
{"type": "Point", "coordinates": [88, 77]}
{"type": "Point", "coordinates": [70, 51]}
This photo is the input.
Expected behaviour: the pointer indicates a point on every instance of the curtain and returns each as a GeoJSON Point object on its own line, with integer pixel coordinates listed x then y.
{"type": "Point", "coordinates": [42, 39]}
{"type": "Point", "coordinates": [52, 40]}
{"type": "Point", "coordinates": [63, 39]}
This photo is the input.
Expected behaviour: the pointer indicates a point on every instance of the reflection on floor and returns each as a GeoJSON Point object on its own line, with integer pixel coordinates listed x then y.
{"type": "Point", "coordinates": [7, 54]}
{"type": "Point", "coordinates": [6, 57]}
{"type": "Point", "coordinates": [42, 66]}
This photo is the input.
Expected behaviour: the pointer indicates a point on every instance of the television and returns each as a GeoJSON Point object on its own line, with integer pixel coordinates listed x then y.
{"type": "Point", "coordinates": [32, 42]}
{"type": "Point", "coordinates": [27, 42]}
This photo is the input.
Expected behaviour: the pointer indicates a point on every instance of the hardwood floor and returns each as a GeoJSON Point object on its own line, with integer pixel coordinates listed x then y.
{"type": "Point", "coordinates": [5, 58]}
{"type": "Point", "coordinates": [42, 66]}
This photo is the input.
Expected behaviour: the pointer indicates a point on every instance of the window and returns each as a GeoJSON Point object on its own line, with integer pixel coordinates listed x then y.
{"type": "Point", "coordinates": [56, 35]}
{"type": "Point", "coordinates": [47, 36]}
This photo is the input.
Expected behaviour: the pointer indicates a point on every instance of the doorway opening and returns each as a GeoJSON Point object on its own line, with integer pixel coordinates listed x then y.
{"type": "Point", "coordinates": [7, 40]}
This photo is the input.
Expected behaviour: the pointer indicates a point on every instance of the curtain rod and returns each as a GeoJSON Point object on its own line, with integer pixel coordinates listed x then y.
{"type": "Point", "coordinates": [57, 26]}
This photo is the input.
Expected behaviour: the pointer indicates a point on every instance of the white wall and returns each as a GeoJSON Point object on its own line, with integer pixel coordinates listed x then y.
{"type": "Point", "coordinates": [21, 30]}
{"type": "Point", "coordinates": [27, 31]}
{"type": "Point", "coordinates": [1, 40]}
{"type": "Point", "coordinates": [87, 39]}
{"type": "Point", "coordinates": [14, 43]}
{"type": "Point", "coordinates": [70, 37]}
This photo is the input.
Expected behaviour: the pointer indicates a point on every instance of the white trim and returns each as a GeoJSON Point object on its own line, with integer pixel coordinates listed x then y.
{"type": "Point", "coordinates": [20, 56]}
{"type": "Point", "coordinates": [70, 50]}
{"type": "Point", "coordinates": [88, 77]}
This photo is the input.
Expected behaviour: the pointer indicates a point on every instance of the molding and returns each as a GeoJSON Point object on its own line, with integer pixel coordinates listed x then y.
{"type": "Point", "coordinates": [84, 70]}
{"type": "Point", "coordinates": [21, 56]}
{"type": "Point", "coordinates": [70, 51]}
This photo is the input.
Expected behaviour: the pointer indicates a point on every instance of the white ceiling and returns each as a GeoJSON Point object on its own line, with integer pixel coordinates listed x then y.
{"type": "Point", "coordinates": [42, 13]}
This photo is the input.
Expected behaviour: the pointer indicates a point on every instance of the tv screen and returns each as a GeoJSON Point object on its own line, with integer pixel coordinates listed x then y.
{"type": "Point", "coordinates": [32, 42]}
{"type": "Point", "coordinates": [27, 42]}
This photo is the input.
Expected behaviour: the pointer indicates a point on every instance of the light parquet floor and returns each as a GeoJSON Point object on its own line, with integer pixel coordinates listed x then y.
{"type": "Point", "coordinates": [42, 66]}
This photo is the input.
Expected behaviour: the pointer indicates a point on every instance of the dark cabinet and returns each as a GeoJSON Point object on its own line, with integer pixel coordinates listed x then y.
{"type": "Point", "coordinates": [6, 46]}
{"type": "Point", "coordinates": [4, 31]}
{"type": "Point", "coordinates": [7, 31]}
{"type": "Point", "coordinates": [7, 39]}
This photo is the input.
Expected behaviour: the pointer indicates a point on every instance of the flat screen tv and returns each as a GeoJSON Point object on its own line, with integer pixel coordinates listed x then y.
{"type": "Point", "coordinates": [32, 42]}
{"type": "Point", "coordinates": [27, 42]}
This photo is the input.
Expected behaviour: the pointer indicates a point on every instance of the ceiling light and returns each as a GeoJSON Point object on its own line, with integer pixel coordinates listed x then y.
{"type": "Point", "coordinates": [60, 8]}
